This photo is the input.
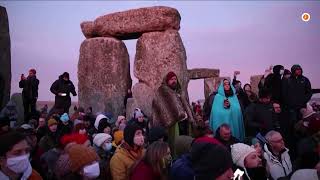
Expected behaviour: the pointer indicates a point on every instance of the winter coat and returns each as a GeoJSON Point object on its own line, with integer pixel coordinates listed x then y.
{"type": "Point", "coordinates": [34, 176]}
{"type": "Point", "coordinates": [143, 171]}
{"type": "Point", "coordinates": [181, 169]}
{"type": "Point", "coordinates": [273, 83]}
{"type": "Point", "coordinates": [296, 91]}
{"type": "Point", "coordinates": [259, 118]}
{"type": "Point", "coordinates": [30, 88]}
{"type": "Point", "coordinates": [122, 161]}
{"type": "Point", "coordinates": [62, 86]}
{"type": "Point", "coordinates": [169, 107]}
{"type": "Point", "coordinates": [278, 167]}
{"type": "Point", "coordinates": [49, 141]}
{"type": "Point", "coordinates": [227, 144]}
{"type": "Point", "coordinates": [10, 111]}
{"type": "Point", "coordinates": [232, 116]}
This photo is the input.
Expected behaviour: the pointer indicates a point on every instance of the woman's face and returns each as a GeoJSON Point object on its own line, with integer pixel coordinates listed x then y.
{"type": "Point", "coordinates": [258, 148]}
{"type": "Point", "coordinates": [107, 130]}
{"type": "Point", "coordinates": [140, 119]}
{"type": "Point", "coordinates": [252, 160]}
{"type": "Point", "coordinates": [226, 85]}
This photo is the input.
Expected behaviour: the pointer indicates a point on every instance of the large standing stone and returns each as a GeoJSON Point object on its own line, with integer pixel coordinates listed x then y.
{"type": "Point", "coordinates": [201, 73]}
{"type": "Point", "coordinates": [254, 82]}
{"type": "Point", "coordinates": [17, 99]}
{"type": "Point", "coordinates": [143, 96]}
{"type": "Point", "coordinates": [132, 23]}
{"type": "Point", "coordinates": [131, 105]}
{"type": "Point", "coordinates": [157, 54]}
{"type": "Point", "coordinates": [212, 84]}
{"type": "Point", "coordinates": [104, 75]}
{"type": "Point", "coordinates": [5, 58]}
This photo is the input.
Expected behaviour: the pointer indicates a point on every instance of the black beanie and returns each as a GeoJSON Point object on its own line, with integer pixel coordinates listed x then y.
{"type": "Point", "coordinates": [129, 132]}
{"type": "Point", "coordinates": [209, 161]}
{"type": "Point", "coordinates": [103, 124]}
{"type": "Point", "coordinates": [157, 133]}
{"type": "Point", "coordinates": [8, 140]}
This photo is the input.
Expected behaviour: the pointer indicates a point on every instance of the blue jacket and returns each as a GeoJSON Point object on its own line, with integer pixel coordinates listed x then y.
{"type": "Point", "coordinates": [182, 168]}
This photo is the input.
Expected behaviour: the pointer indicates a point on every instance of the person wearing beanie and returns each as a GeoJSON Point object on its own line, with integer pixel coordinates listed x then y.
{"type": "Point", "coordinates": [62, 88]}
{"type": "Point", "coordinates": [51, 139]}
{"type": "Point", "coordinates": [138, 118]}
{"type": "Point", "coordinates": [14, 158]}
{"type": "Point", "coordinates": [171, 109]}
{"type": "Point", "coordinates": [30, 86]}
{"type": "Point", "coordinates": [273, 83]}
{"type": "Point", "coordinates": [157, 134]}
{"type": "Point", "coordinates": [98, 119]}
{"type": "Point", "coordinates": [83, 162]}
{"type": "Point", "coordinates": [277, 155]}
{"type": "Point", "coordinates": [121, 120]}
{"type": "Point", "coordinates": [246, 158]}
{"type": "Point", "coordinates": [296, 92]}
{"type": "Point", "coordinates": [182, 145]}
{"type": "Point", "coordinates": [65, 126]}
{"type": "Point", "coordinates": [286, 74]}
{"type": "Point", "coordinates": [127, 153]}
{"type": "Point", "coordinates": [310, 123]}
{"type": "Point", "coordinates": [211, 161]}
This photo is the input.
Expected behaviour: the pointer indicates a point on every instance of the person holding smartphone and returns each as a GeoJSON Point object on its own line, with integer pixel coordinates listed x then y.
{"type": "Point", "coordinates": [62, 88]}
{"type": "Point", "coordinates": [30, 86]}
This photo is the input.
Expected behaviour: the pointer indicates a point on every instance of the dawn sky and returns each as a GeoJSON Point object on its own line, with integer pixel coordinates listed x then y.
{"type": "Point", "coordinates": [248, 36]}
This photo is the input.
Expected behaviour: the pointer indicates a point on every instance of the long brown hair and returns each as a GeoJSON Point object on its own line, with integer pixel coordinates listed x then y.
{"type": "Point", "coordinates": [154, 157]}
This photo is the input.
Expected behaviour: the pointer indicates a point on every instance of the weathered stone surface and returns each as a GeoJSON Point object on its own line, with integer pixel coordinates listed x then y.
{"type": "Point", "coordinates": [87, 28]}
{"type": "Point", "coordinates": [104, 75]}
{"type": "Point", "coordinates": [143, 96]}
{"type": "Point", "coordinates": [212, 84]}
{"type": "Point", "coordinates": [133, 23]}
{"type": "Point", "coordinates": [201, 73]}
{"type": "Point", "coordinates": [5, 58]}
{"type": "Point", "coordinates": [17, 99]}
{"type": "Point", "coordinates": [157, 54]}
{"type": "Point", "coordinates": [254, 81]}
{"type": "Point", "coordinates": [131, 105]}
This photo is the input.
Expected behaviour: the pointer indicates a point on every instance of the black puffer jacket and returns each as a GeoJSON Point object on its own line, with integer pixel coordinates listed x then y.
{"type": "Point", "coordinates": [296, 90]}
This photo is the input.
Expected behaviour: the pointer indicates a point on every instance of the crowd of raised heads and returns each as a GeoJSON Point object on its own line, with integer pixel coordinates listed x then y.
{"type": "Point", "coordinates": [235, 134]}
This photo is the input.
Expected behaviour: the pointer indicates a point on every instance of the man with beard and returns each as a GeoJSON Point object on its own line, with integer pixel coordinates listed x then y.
{"type": "Point", "coordinates": [171, 109]}
{"type": "Point", "coordinates": [62, 89]}
{"type": "Point", "coordinates": [30, 87]}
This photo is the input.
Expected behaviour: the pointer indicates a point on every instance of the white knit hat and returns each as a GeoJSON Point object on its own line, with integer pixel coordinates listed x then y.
{"type": "Point", "coordinates": [307, 112]}
{"type": "Point", "coordinates": [100, 138]}
{"type": "Point", "coordinates": [239, 152]}
{"type": "Point", "coordinates": [98, 119]}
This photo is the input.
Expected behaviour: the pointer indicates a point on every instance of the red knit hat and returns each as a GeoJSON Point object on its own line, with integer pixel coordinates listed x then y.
{"type": "Point", "coordinates": [77, 138]}
{"type": "Point", "coordinates": [170, 75]}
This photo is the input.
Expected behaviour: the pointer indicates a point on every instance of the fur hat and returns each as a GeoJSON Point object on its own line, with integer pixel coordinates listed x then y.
{"type": "Point", "coordinates": [307, 112]}
{"type": "Point", "coordinates": [52, 122]}
{"type": "Point", "coordinates": [81, 156]}
{"type": "Point", "coordinates": [100, 138]}
{"type": "Point", "coordinates": [239, 152]}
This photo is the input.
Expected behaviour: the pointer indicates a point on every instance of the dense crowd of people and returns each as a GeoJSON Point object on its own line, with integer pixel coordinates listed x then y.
{"type": "Point", "coordinates": [236, 134]}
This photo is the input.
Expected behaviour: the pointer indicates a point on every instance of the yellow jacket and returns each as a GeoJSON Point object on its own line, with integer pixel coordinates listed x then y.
{"type": "Point", "coordinates": [122, 161]}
